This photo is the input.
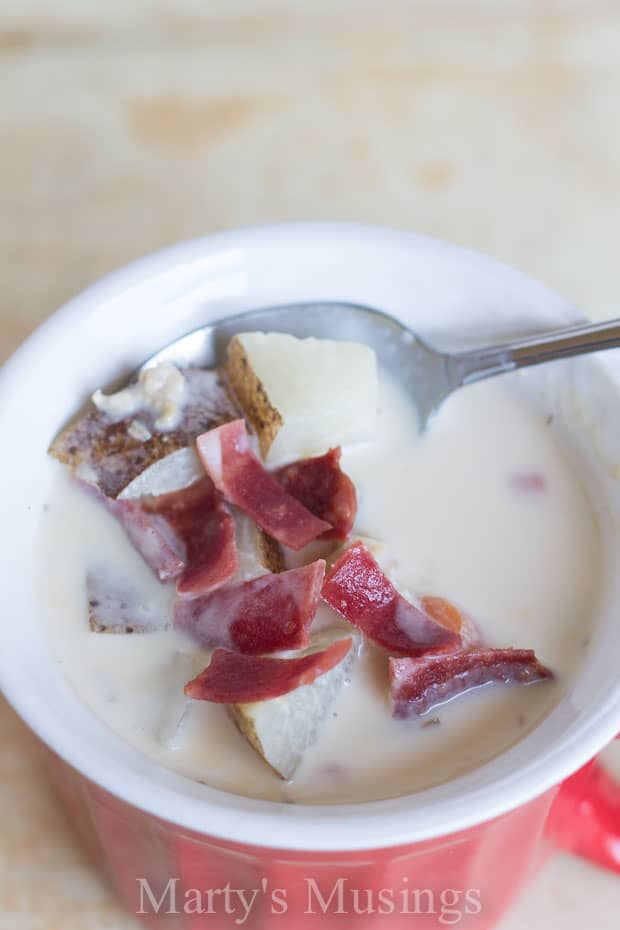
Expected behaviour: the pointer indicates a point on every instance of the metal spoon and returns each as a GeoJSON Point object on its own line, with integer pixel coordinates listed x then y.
{"type": "Point", "coordinates": [430, 375]}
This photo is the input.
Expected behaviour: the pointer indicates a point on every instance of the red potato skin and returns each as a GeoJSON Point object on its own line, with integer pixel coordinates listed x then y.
{"type": "Point", "coordinates": [242, 479]}
{"type": "Point", "coordinates": [359, 590]}
{"type": "Point", "coordinates": [419, 684]}
{"type": "Point", "coordinates": [234, 678]}
{"type": "Point", "coordinates": [324, 489]}
{"type": "Point", "coordinates": [267, 614]}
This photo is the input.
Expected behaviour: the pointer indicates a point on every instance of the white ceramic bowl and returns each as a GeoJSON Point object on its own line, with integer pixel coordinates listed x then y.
{"type": "Point", "coordinates": [437, 289]}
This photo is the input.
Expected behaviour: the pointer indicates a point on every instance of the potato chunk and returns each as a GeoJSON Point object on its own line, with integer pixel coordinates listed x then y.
{"type": "Point", "coordinates": [303, 396]}
{"type": "Point", "coordinates": [281, 729]}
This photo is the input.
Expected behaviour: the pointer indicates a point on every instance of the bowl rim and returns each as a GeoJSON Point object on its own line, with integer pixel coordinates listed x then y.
{"type": "Point", "coordinates": [370, 825]}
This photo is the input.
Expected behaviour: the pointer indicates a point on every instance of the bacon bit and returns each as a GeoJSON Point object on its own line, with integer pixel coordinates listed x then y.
{"type": "Point", "coordinates": [238, 474]}
{"type": "Point", "coordinates": [266, 614]}
{"type": "Point", "coordinates": [528, 481]}
{"type": "Point", "coordinates": [419, 684]}
{"type": "Point", "coordinates": [324, 489]}
{"type": "Point", "coordinates": [358, 589]}
{"type": "Point", "coordinates": [446, 613]}
{"type": "Point", "coordinates": [187, 534]}
{"type": "Point", "coordinates": [199, 517]}
{"type": "Point", "coordinates": [151, 535]}
{"type": "Point", "coordinates": [233, 678]}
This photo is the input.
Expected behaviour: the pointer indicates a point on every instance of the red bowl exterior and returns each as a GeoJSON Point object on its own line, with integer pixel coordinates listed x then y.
{"type": "Point", "coordinates": [174, 879]}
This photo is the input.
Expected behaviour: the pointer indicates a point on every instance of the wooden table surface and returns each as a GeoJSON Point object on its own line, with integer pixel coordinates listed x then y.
{"type": "Point", "coordinates": [125, 127]}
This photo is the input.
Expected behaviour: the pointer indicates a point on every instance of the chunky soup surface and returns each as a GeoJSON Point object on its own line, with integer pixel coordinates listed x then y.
{"type": "Point", "coordinates": [484, 509]}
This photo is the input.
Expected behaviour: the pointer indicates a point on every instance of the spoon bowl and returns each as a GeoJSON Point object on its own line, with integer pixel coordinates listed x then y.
{"type": "Point", "coordinates": [428, 375]}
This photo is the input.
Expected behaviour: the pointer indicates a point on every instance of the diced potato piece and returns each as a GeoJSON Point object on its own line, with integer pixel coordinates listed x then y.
{"type": "Point", "coordinates": [110, 453]}
{"type": "Point", "coordinates": [258, 553]}
{"type": "Point", "coordinates": [179, 712]}
{"type": "Point", "coordinates": [303, 396]}
{"type": "Point", "coordinates": [176, 722]}
{"type": "Point", "coordinates": [175, 471]}
{"type": "Point", "coordinates": [120, 605]}
{"type": "Point", "coordinates": [281, 729]}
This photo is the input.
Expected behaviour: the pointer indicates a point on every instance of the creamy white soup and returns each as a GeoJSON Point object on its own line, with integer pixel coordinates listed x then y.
{"type": "Point", "coordinates": [483, 509]}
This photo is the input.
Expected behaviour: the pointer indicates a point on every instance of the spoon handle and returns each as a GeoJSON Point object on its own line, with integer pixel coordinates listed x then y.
{"type": "Point", "coordinates": [473, 365]}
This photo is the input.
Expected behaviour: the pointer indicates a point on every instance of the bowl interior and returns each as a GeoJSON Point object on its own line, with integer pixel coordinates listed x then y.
{"type": "Point", "coordinates": [447, 294]}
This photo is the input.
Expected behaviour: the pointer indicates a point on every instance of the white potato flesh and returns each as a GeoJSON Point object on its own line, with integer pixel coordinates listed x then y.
{"type": "Point", "coordinates": [283, 728]}
{"type": "Point", "coordinates": [175, 471]}
{"type": "Point", "coordinates": [325, 391]}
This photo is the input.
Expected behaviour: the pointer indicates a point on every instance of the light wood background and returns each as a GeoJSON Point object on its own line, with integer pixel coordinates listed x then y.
{"type": "Point", "coordinates": [127, 126]}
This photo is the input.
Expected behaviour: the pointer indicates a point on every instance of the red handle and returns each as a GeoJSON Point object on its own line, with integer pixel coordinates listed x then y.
{"type": "Point", "coordinates": [585, 816]}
